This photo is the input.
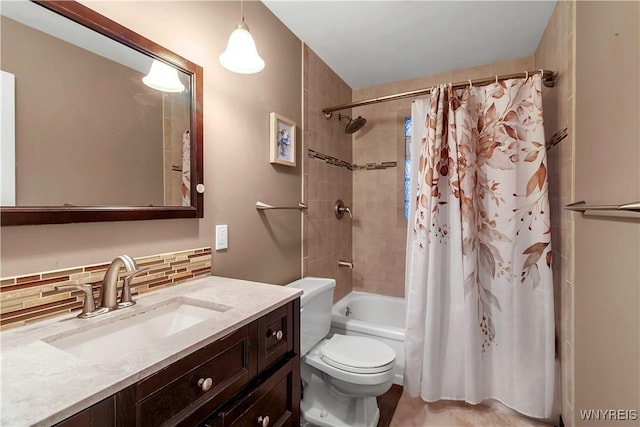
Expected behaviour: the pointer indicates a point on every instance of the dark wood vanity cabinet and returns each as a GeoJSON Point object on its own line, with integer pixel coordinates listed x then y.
{"type": "Point", "coordinates": [102, 414]}
{"type": "Point", "coordinates": [191, 388]}
{"type": "Point", "coordinates": [275, 401]}
{"type": "Point", "coordinates": [275, 336]}
{"type": "Point", "coordinates": [239, 380]}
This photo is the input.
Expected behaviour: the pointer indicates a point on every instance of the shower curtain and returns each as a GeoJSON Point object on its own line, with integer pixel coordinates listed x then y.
{"type": "Point", "coordinates": [480, 322]}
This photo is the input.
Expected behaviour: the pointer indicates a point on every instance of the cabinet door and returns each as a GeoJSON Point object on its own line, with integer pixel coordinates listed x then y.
{"type": "Point", "coordinates": [102, 414]}
{"type": "Point", "coordinates": [274, 402]}
{"type": "Point", "coordinates": [275, 336]}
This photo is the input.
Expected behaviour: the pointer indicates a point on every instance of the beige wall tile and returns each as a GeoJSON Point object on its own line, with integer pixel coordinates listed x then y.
{"type": "Point", "coordinates": [555, 52]}
{"type": "Point", "coordinates": [326, 239]}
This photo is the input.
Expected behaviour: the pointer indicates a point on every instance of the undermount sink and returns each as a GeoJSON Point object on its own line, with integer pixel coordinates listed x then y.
{"type": "Point", "coordinates": [119, 337]}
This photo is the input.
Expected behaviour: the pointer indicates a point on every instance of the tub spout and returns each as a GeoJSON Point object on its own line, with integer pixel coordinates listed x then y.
{"type": "Point", "coordinates": [347, 264]}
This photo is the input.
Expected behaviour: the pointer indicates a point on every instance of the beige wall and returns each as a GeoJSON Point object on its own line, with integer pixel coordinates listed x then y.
{"type": "Point", "coordinates": [379, 230]}
{"type": "Point", "coordinates": [326, 239]}
{"type": "Point", "coordinates": [555, 52]}
{"type": "Point", "coordinates": [100, 154]}
{"type": "Point", "coordinates": [607, 250]}
{"type": "Point", "coordinates": [236, 154]}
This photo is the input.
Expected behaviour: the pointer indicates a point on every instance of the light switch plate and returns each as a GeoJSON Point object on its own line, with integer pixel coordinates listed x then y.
{"type": "Point", "coordinates": [221, 237]}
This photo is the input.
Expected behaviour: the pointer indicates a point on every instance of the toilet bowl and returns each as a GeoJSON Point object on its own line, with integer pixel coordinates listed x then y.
{"type": "Point", "coordinates": [356, 366]}
{"type": "Point", "coordinates": [341, 375]}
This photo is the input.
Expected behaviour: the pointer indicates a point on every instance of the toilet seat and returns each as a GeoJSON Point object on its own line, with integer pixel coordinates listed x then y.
{"type": "Point", "coordinates": [358, 355]}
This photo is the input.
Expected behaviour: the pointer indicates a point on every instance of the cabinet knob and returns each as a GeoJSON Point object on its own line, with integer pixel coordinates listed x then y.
{"type": "Point", "coordinates": [263, 421]}
{"type": "Point", "coordinates": [277, 334]}
{"type": "Point", "coordinates": [205, 384]}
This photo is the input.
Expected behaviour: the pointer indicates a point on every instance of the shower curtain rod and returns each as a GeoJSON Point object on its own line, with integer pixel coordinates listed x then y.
{"type": "Point", "coordinates": [548, 79]}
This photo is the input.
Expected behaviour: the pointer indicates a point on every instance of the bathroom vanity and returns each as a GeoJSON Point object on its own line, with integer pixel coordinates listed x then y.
{"type": "Point", "coordinates": [238, 364]}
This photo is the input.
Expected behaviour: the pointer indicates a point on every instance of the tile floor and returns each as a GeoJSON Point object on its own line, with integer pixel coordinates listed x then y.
{"type": "Point", "coordinates": [414, 412]}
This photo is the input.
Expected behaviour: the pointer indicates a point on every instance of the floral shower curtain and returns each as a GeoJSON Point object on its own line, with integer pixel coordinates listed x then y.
{"type": "Point", "coordinates": [480, 322]}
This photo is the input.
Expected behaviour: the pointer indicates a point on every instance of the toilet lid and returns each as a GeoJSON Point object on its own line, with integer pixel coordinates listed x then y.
{"type": "Point", "coordinates": [358, 354]}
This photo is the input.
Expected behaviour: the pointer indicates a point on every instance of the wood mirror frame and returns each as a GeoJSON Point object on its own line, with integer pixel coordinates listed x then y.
{"type": "Point", "coordinates": [70, 214]}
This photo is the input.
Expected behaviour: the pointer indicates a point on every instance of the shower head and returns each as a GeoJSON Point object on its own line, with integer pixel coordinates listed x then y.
{"type": "Point", "coordinates": [354, 125]}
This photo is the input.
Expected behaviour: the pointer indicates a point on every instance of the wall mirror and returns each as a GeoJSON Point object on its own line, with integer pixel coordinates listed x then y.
{"type": "Point", "coordinates": [83, 137]}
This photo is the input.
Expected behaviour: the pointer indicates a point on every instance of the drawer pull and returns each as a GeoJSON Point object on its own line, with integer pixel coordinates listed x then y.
{"type": "Point", "coordinates": [277, 334]}
{"type": "Point", "coordinates": [205, 384]}
{"type": "Point", "coordinates": [263, 421]}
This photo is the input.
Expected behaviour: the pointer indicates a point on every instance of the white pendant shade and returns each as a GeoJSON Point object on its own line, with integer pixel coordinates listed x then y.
{"type": "Point", "coordinates": [163, 77]}
{"type": "Point", "coordinates": [241, 55]}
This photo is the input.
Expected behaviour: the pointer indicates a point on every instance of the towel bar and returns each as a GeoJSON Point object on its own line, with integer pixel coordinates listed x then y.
{"type": "Point", "coordinates": [582, 206]}
{"type": "Point", "coordinates": [263, 206]}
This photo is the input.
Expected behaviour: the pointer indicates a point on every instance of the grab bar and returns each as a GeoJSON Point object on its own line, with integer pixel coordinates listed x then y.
{"type": "Point", "coordinates": [263, 206]}
{"type": "Point", "coordinates": [582, 206]}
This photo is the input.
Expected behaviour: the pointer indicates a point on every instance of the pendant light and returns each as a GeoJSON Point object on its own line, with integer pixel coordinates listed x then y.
{"type": "Point", "coordinates": [163, 77]}
{"type": "Point", "coordinates": [241, 55]}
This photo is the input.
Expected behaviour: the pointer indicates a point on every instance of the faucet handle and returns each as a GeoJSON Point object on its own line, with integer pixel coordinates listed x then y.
{"type": "Point", "coordinates": [89, 305]}
{"type": "Point", "coordinates": [339, 209]}
{"type": "Point", "coordinates": [125, 297]}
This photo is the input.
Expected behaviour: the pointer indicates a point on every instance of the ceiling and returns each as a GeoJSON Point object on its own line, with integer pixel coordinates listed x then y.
{"type": "Point", "coordinates": [369, 43]}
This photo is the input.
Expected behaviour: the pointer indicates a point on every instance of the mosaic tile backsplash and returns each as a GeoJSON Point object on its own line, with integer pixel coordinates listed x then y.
{"type": "Point", "coordinates": [347, 165]}
{"type": "Point", "coordinates": [26, 299]}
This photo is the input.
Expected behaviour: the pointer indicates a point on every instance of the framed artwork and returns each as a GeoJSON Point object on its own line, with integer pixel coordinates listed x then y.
{"type": "Point", "coordinates": [283, 140]}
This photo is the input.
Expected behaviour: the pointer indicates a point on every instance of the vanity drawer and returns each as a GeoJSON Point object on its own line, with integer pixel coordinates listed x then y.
{"type": "Point", "coordinates": [275, 336]}
{"type": "Point", "coordinates": [193, 387]}
{"type": "Point", "coordinates": [274, 397]}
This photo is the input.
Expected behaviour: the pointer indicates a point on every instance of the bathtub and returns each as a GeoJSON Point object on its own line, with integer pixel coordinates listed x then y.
{"type": "Point", "coordinates": [373, 316]}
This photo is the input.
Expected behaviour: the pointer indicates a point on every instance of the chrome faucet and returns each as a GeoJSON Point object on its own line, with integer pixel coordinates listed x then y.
{"type": "Point", "coordinates": [109, 293]}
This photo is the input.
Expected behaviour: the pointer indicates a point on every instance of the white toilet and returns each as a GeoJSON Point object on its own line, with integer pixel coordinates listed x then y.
{"type": "Point", "coordinates": [341, 375]}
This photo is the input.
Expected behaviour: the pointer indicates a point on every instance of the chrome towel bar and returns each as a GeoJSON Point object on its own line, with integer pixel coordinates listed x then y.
{"type": "Point", "coordinates": [582, 206]}
{"type": "Point", "coordinates": [263, 206]}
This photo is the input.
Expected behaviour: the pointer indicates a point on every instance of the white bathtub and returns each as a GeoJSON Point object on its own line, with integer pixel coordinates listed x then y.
{"type": "Point", "coordinates": [373, 316]}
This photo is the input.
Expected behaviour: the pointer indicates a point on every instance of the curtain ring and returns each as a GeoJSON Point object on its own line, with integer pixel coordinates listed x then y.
{"type": "Point", "coordinates": [470, 84]}
{"type": "Point", "coordinates": [496, 78]}
{"type": "Point", "coordinates": [526, 75]}
{"type": "Point", "coordinates": [542, 73]}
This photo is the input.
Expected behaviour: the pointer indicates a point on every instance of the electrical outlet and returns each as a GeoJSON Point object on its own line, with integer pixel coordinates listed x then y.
{"type": "Point", "coordinates": [221, 237]}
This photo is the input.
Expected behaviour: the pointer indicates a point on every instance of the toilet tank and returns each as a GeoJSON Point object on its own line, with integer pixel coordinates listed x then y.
{"type": "Point", "coordinates": [315, 310]}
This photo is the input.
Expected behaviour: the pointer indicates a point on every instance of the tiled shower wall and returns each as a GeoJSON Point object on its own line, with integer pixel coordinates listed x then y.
{"type": "Point", "coordinates": [379, 228]}
{"type": "Point", "coordinates": [326, 239]}
{"type": "Point", "coordinates": [556, 52]}
{"type": "Point", "coordinates": [33, 297]}
{"type": "Point", "coordinates": [175, 121]}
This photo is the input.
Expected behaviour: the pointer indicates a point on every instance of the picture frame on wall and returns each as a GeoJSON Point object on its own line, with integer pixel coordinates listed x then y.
{"type": "Point", "coordinates": [283, 140]}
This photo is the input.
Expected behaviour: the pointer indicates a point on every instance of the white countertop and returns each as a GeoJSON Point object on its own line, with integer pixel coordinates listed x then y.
{"type": "Point", "coordinates": [42, 385]}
